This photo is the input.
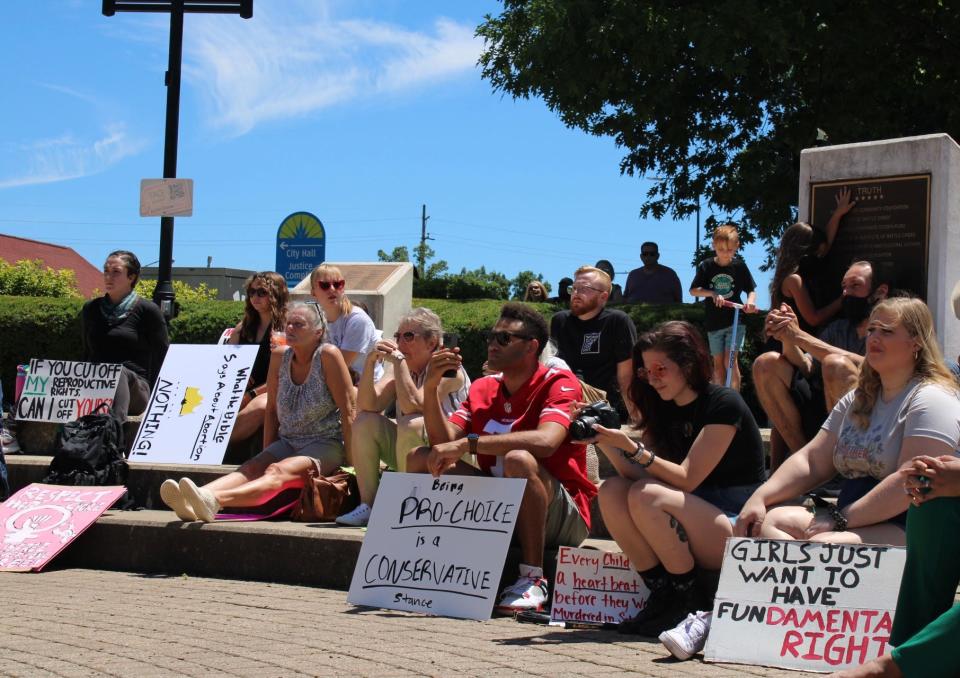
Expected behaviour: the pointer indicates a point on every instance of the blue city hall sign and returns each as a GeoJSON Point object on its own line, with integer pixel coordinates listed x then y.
{"type": "Point", "coordinates": [301, 246]}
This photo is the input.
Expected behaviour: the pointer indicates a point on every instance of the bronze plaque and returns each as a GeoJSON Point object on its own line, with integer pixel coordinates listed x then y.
{"type": "Point", "coordinates": [889, 225]}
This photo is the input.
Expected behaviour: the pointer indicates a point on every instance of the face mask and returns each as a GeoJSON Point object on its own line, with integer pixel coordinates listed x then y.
{"type": "Point", "coordinates": [855, 309]}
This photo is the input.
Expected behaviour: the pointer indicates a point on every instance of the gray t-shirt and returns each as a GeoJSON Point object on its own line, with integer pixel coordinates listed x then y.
{"type": "Point", "coordinates": [354, 331]}
{"type": "Point", "coordinates": [919, 410]}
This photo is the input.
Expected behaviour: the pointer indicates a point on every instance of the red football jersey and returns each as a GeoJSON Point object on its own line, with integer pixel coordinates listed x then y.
{"type": "Point", "coordinates": [545, 397]}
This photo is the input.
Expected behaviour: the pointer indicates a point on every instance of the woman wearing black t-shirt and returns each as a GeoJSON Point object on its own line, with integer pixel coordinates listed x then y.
{"type": "Point", "coordinates": [121, 327]}
{"type": "Point", "coordinates": [699, 458]}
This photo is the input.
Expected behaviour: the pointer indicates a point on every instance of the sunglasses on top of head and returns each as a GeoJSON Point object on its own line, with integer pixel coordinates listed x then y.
{"type": "Point", "coordinates": [503, 338]}
{"type": "Point", "coordinates": [335, 284]}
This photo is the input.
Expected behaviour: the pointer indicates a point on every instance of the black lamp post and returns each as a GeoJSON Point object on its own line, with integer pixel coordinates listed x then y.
{"type": "Point", "coordinates": [163, 295]}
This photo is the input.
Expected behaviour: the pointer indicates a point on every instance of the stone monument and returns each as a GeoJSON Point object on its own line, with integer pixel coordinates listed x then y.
{"type": "Point", "coordinates": [907, 215]}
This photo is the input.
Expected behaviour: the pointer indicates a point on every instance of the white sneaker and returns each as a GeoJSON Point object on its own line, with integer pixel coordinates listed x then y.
{"type": "Point", "coordinates": [358, 517]}
{"type": "Point", "coordinates": [528, 593]}
{"type": "Point", "coordinates": [8, 442]}
{"type": "Point", "coordinates": [170, 494]}
{"type": "Point", "coordinates": [200, 499]}
{"type": "Point", "coordinates": [689, 636]}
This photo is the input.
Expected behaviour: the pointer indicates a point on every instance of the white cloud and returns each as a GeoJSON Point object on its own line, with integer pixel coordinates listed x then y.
{"type": "Point", "coordinates": [66, 157]}
{"type": "Point", "coordinates": [274, 67]}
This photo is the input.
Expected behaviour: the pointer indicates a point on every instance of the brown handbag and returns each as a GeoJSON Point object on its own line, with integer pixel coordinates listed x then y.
{"type": "Point", "coordinates": [323, 498]}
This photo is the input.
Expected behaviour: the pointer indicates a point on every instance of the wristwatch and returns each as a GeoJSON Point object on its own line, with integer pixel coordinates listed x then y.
{"type": "Point", "coordinates": [472, 439]}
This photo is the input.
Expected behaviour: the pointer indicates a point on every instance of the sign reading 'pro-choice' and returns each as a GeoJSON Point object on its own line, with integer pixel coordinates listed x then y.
{"type": "Point", "coordinates": [804, 605]}
{"type": "Point", "coordinates": [63, 390]}
{"type": "Point", "coordinates": [437, 545]}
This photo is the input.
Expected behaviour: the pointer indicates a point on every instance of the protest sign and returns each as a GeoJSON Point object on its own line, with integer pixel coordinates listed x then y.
{"type": "Point", "coordinates": [595, 587]}
{"type": "Point", "coordinates": [40, 520]}
{"type": "Point", "coordinates": [804, 605]}
{"type": "Point", "coordinates": [194, 404]}
{"type": "Point", "coordinates": [437, 545]}
{"type": "Point", "coordinates": [61, 390]}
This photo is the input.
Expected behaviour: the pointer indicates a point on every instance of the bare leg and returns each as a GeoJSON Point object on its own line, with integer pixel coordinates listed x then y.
{"type": "Point", "coordinates": [790, 522]}
{"type": "Point", "coordinates": [276, 478]}
{"type": "Point", "coordinates": [719, 370]}
{"type": "Point", "coordinates": [617, 518]}
{"type": "Point", "coordinates": [840, 376]}
{"type": "Point", "coordinates": [778, 450]}
{"type": "Point", "coordinates": [532, 517]}
{"type": "Point", "coordinates": [250, 418]}
{"type": "Point", "coordinates": [772, 375]}
{"type": "Point", "coordinates": [735, 380]}
{"type": "Point", "coordinates": [248, 471]}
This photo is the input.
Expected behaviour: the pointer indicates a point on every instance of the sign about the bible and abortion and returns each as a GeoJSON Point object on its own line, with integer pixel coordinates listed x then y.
{"type": "Point", "coordinates": [437, 545]}
{"type": "Point", "coordinates": [595, 587]}
{"type": "Point", "coordinates": [39, 521]}
{"type": "Point", "coordinates": [804, 605]}
{"type": "Point", "coordinates": [62, 390]}
{"type": "Point", "coordinates": [194, 404]}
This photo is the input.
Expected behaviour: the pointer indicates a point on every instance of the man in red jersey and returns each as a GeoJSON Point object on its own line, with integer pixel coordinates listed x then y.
{"type": "Point", "coordinates": [516, 423]}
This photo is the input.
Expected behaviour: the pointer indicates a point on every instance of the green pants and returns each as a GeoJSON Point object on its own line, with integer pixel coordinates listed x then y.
{"type": "Point", "coordinates": [926, 628]}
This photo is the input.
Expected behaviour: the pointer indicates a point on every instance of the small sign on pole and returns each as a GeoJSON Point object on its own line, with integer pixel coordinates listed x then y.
{"type": "Point", "coordinates": [595, 587]}
{"type": "Point", "coordinates": [62, 390]}
{"type": "Point", "coordinates": [301, 246]}
{"type": "Point", "coordinates": [166, 197]}
{"type": "Point", "coordinates": [194, 404]}
{"type": "Point", "coordinates": [804, 605]}
{"type": "Point", "coordinates": [39, 521]}
{"type": "Point", "coordinates": [437, 545]}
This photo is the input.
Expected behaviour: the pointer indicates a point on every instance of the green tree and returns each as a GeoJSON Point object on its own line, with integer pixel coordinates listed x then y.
{"type": "Point", "coordinates": [518, 286]}
{"type": "Point", "coordinates": [399, 253]}
{"type": "Point", "coordinates": [184, 293]}
{"type": "Point", "coordinates": [33, 278]}
{"type": "Point", "coordinates": [718, 98]}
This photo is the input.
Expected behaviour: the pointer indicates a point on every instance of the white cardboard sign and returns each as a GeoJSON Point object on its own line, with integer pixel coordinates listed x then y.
{"type": "Point", "coordinates": [595, 587]}
{"type": "Point", "coordinates": [166, 197]}
{"type": "Point", "coordinates": [194, 404]}
{"type": "Point", "coordinates": [804, 605]}
{"type": "Point", "coordinates": [437, 545]}
{"type": "Point", "coordinates": [62, 390]}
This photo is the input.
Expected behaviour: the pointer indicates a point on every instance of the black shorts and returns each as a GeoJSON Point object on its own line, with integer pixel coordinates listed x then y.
{"type": "Point", "coordinates": [810, 401]}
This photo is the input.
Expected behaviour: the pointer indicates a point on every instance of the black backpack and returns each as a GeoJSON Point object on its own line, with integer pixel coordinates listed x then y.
{"type": "Point", "coordinates": [89, 451]}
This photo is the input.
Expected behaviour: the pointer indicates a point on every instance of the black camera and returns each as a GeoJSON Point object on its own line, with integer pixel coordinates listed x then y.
{"type": "Point", "coordinates": [599, 412]}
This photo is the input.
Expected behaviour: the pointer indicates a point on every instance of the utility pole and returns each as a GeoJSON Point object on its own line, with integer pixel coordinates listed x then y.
{"type": "Point", "coordinates": [163, 295]}
{"type": "Point", "coordinates": [422, 250]}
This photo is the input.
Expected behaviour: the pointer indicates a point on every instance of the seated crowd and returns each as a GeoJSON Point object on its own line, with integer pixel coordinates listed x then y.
{"type": "Point", "coordinates": [870, 399]}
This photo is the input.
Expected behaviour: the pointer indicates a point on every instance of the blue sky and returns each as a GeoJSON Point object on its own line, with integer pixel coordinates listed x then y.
{"type": "Point", "coordinates": [358, 112]}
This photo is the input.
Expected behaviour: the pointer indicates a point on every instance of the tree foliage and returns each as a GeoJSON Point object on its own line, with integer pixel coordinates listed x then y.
{"type": "Point", "coordinates": [719, 98]}
{"type": "Point", "coordinates": [184, 293]}
{"type": "Point", "coordinates": [33, 278]}
{"type": "Point", "coordinates": [518, 286]}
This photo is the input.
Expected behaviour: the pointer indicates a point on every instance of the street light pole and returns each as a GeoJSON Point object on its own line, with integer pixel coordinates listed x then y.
{"type": "Point", "coordinates": [163, 295]}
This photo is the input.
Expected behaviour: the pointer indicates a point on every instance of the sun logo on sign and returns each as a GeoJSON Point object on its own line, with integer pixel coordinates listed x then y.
{"type": "Point", "coordinates": [191, 399]}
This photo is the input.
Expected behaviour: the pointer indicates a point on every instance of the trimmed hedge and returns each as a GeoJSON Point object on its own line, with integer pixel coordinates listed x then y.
{"type": "Point", "coordinates": [37, 327]}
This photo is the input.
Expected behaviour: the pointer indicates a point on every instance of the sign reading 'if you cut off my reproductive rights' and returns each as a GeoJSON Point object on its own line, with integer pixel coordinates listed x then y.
{"type": "Point", "coordinates": [437, 545]}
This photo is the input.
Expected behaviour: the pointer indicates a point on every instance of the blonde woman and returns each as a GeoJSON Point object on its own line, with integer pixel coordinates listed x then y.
{"type": "Point", "coordinates": [309, 417]}
{"type": "Point", "coordinates": [377, 438]}
{"type": "Point", "coordinates": [905, 404]}
{"type": "Point", "coordinates": [348, 327]}
{"type": "Point", "coordinates": [536, 291]}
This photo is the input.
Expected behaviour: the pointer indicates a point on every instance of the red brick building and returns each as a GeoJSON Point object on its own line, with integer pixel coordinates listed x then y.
{"type": "Point", "coordinates": [14, 249]}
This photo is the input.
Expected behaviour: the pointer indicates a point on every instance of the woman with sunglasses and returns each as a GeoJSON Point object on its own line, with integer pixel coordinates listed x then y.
{"type": "Point", "coordinates": [262, 324]}
{"type": "Point", "coordinates": [311, 408]}
{"type": "Point", "coordinates": [681, 485]}
{"type": "Point", "coordinates": [349, 328]}
{"type": "Point", "coordinates": [122, 327]}
{"type": "Point", "coordinates": [377, 438]}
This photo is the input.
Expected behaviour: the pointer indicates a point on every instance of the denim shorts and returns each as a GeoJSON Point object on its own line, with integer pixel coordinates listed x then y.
{"type": "Point", "coordinates": [719, 340]}
{"type": "Point", "coordinates": [730, 500]}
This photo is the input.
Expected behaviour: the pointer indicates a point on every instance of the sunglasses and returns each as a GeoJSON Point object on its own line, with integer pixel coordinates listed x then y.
{"type": "Point", "coordinates": [655, 371]}
{"type": "Point", "coordinates": [258, 292]}
{"type": "Point", "coordinates": [405, 336]}
{"type": "Point", "coordinates": [335, 284]}
{"type": "Point", "coordinates": [581, 289]}
{"type": "Point", "coordinates": [502, 337]}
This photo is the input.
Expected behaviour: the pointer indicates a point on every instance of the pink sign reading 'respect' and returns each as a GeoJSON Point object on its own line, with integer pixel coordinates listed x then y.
{"type": "Point", "coordinates": [40, 520]}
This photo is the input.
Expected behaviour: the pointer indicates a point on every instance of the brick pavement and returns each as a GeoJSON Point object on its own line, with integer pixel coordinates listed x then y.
{"type": "Point", "coordinates": [75, 622]}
